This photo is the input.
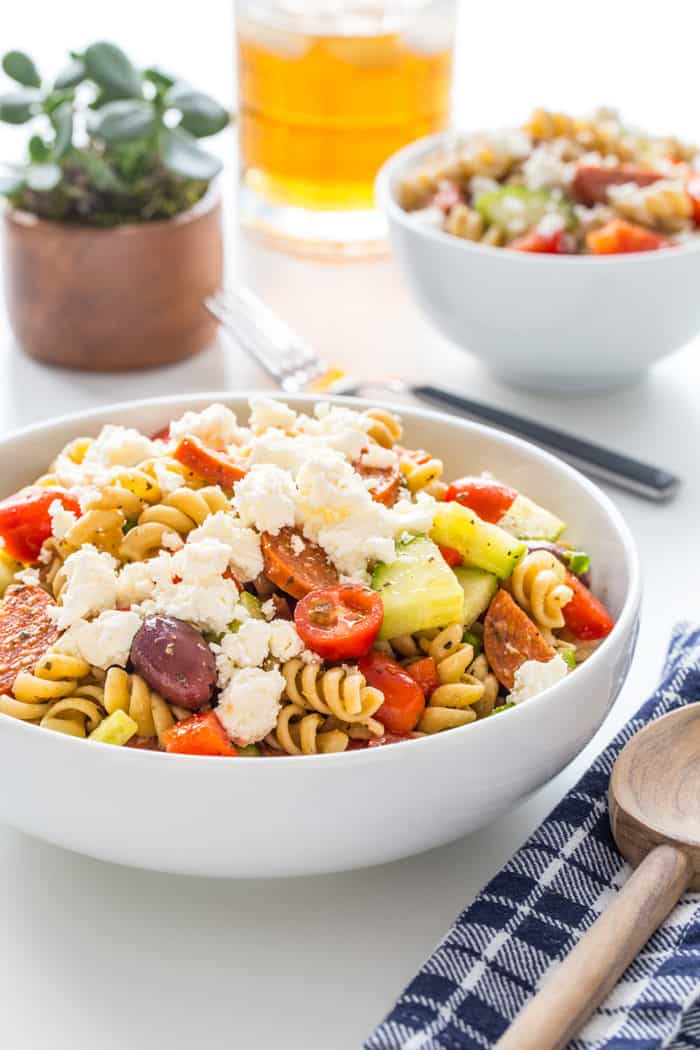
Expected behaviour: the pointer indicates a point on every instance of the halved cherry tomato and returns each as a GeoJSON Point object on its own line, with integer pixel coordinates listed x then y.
{"type": "Point", "coordinates": [558, 243]}
{"type": "Point", "coordinates": [385, 482]}
{"type": "Point", "coordinates": [693, 189]}
{"type": "Point", "coordinates": [214, 467]}
{"type": "Point", "coordinates": [585, 615]}
{"type": "Point", "coordinates": [618, 236]}
{"type": "Point", "coordinates": [341, 622]}
{"type": "Point", "coordinates": [25, 522]}
{"type": "Point", "coordinates": [451, 556]}
{"type": "Point", "coordinates": [489, 499]}
{"type": "Point", "coordinates": [425, 673]}
{"type": "Point", "coordinates": [296, 572]}
{"type": "Point", "coordinates": [199, 735]}
{"type": "Point", "coordinates": [404, 701]}
{"type": "Point", "coordinates": [161, 435]}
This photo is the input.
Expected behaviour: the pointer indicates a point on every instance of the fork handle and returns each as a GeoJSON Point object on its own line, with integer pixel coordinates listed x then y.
{"type": "Point", "coordinates": [623, 471]}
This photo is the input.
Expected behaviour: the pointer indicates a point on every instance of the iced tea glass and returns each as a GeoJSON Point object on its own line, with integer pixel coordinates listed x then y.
{"type": "Point", "coordinates": [328, 89]}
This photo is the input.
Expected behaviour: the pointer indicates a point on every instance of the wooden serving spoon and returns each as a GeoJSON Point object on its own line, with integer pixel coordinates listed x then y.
{"type": "Point", "coordinates": [654, 799]}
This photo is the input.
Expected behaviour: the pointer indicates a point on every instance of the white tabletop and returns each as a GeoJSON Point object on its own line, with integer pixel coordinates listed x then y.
{"type": "Point", "coordinates": [97, 956]}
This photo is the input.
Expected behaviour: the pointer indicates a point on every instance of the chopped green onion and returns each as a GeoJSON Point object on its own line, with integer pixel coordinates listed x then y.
{"type": "Point", "coordinates": [252, 605]}
{"type": "Point", "coordinates": [474, 640]}
{"type": "Point", "coordinates": [250, 751]}
{"type": "Point", "coordinates": [502, 707]}
{"type": "Point", "coordinates": [569, 657]}
{"type": "Point", "coordinates": [579, 562]}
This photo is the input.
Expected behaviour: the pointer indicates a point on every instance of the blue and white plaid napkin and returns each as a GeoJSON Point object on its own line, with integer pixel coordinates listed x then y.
{"type": "Point", "coordinates": [532, 913]}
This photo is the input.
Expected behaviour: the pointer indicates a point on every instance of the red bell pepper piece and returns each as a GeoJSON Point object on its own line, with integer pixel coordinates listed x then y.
{"type": "Point", "coordinates": [199, 735]}
{"type": "Point", "coordinates": [585, 615]}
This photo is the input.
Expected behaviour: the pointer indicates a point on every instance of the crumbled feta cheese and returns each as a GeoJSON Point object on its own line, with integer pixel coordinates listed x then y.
{"type": "Point", "coordinates": [134, 584]}
{"type": "Point", "coordinates": [190, 585]}
{"type": "Point", "coordinates": [266, 413]}
{"type": "Point", "coordinates": [543, 169]}
{"type": "Point", "coordinates": [91, 586]}
{"type": "Point", "coordinates": [379, 457]}
{"type": "Point", "coordinates": [533, 677]}
{"type": "Point", "coordinates": [168, 480]}
{"type": "Point", "coordinates": [514, 142]}
{"type": "Point", "coordinates": [340, 428]}
{"type": "Point", "coordinates": [62, 520]}
{"type": "Point", "coordinates": [298, 545]}
{"type": "Point", "coordinates": [265, 498]}
{"type": "Point", "coordinates": [28, 576]}
{"type": "Point", "coordinates": [551, 223]}
{"type": "Point", "coordinates": [114, 446]}
{"type": "Point", "coordinates": [215, 425]}
{"type": "Point", "coordinates": [269, 609]}
{"type": "Point", "coordinates": [249, 646]}
{"type": "Point", "coordinates": [275, 448]}
{"type": "Point", "coordinates": [285, 643]}
{"type": "Point", "coordinates": [249, 705]}
{"type": "Point", "coordinates": [172, 541]}
{"type": "Point", "coordinates": [245, 556]}
{"type": "Point", "coordinates": [480, 184]}
{"type": "Point", "coordinates": [415, 517]}
{"type": "Point", "coordinates": [104, 642]}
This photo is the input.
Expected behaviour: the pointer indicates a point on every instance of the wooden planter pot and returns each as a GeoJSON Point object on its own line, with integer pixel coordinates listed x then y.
{"type": "Point", "coordinates": [113, 299]}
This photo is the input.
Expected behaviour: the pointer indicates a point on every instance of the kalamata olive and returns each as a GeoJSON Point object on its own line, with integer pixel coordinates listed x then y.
{"type": "Point", "coordinates": [175, 661]}
{"type": "Point", "coordinates": [560, 553]}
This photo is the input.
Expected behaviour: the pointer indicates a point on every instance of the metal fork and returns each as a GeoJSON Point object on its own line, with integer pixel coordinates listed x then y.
{"type": "Point", "coordinates": [297, 367]}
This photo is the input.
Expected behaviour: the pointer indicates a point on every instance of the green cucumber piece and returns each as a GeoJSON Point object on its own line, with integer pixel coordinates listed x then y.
{"type": "Point", "coordinates": [252, 605]}
{"type": "Point", "coordinates": [117, 728]}
{"type": "Point", "coordinates": [481, 544]}
{"type": "Point", "coordinates": [527, 520]}
{"type": "Point", "coordinates": [418, 590]}
{"type": "Point", "coordinates": [479, 588]}
{"type": "Point", "coordinates": [518, 208]}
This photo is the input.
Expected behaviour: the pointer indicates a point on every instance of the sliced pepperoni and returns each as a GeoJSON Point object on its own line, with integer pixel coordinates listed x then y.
{"type": "Point", "coordinates": [214, 467]}
{"type": "Point", "coordinates": [295, 569]}
{"type": "Point", "coordinates": [384, 483]}
{"type": "Point", "coordinates": [511, 638]}
{"type": "Point", "coordinates": [26, 631]}
{"type": "Point", "coordinates": [591, 182]}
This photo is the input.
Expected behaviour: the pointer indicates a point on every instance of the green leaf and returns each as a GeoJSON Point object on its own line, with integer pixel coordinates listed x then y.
{"type": "Point", "coordinates": [124, 121]}
{"type": "Point", "coordinates": [17, 107]}
{"type": "Point", "coordinates": [181, 155]}
{"type": "Point", "coordinates": [109, 67]}
{"type": "Point", "coordinates": [73, 74]}
{"type": "Point", "coordinates": [62, 120]}
{"type": "Point", "coordinates": [21, 68]}
{"type": "Point", "coordinates": [39, 152]}
{"type": "Point", "coordinates": [56, 98]}
{"type": "Point", "coordinates": [160, 77]}
{"type": "Point", "coordinates": [11, 181]}
{"type": "Point", "coordinates": [43, 177]}
{"type": "Point", "coordinates": [201, 114]}
{"type": "Point", "coordinates": [97, 170]}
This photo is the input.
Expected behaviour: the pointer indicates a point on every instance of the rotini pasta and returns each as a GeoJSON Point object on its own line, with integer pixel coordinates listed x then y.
{"type": "Point", "coordinates": [664, 205]}
{"type": "Point", "coordinates": [130, 693]}
{"type": "Point", "coordinates": [57, 695]}
{"type": "Point", "coordinates": [539, 587]}
{"type": "Point", "coordinates": [339, 691]}
{"type": "Point", "coordinates": [422, 472]}
{"type": "Point", "coordinates": [450, 704]}
{"type": "Point", "coordinates": [300, 732]}
{"type": "Point", "coordinates": [178, 513]}
{"type": "Point", "coordinates": [385, 427]}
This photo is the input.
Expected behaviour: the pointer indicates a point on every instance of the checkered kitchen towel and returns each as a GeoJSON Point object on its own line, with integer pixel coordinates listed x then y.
{"type": "Point", "coordinates": [533, 912]}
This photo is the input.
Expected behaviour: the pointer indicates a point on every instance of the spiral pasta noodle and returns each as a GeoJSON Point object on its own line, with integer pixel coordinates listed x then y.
{"type": "Point", "coordinates": [300, 732]}
{"type": "Point", "coordinates": [603, 134]}
{"type": "Point", "coordinates": [450, 704]}
{"type": "Point", "coordinates": [539, 586]}
{"type": "Point", "coordinates": [339, 691]}
{"type": "Point", "coordinates": [422, 472]}
{"type": "Point", "coordinates": [385, 427]}
{"type": "Point", "coordinates": [463, 221]}
{"type": "Point", "coordinates": [56, 695]}
{"type": "Point", "coordinates": [664, 205]}
{"type": "Point", "coordinates": [178, 513]}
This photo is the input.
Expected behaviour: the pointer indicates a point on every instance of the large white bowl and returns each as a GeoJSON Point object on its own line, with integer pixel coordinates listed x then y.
{"type": "Point", "coordinates": [305, 815]}
{"type": "Point", "coordinates": [549, 323]}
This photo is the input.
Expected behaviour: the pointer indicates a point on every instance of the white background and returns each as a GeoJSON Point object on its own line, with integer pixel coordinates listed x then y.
{"type": "Point", "coordinates": [102, 957]}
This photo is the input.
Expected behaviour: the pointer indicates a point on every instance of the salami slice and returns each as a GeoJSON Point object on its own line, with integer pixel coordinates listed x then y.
{"type": "Point", "coordinates": [591, 182]}
{"type": "Point", "coordinates": [511, 638]}
{"type": "Point", "coordinates": [26, 631]}
{"type": "Point", "coordinates": [295, 564]}
{"type": "Point", "coordinates": [385, 482]}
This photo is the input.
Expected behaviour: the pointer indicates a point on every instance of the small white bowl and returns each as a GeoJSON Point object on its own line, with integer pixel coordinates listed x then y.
{"type": "Point", "coordinates": [308, 815]}
{"type": "Point", "coordinates": [548, 323]}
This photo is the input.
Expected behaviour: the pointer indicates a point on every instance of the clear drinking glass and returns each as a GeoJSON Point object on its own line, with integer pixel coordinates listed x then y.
{"type": "Point", "coordinates": [328, 89]}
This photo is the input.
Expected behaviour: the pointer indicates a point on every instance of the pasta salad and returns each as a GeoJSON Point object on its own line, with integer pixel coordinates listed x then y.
{"type": "Point", "coordinates": [296, 585]}
{"type": "Point", "coordinates": [561, 185]}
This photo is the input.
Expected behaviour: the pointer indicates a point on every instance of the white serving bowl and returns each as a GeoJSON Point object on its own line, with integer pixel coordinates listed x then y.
{"type": "Point", "coordinates": [306, 815]}
{"type": "Point", "coordinates": [549, 323]}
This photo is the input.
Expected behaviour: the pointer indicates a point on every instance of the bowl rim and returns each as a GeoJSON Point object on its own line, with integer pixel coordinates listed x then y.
{"type": "Point", "coordinates": [623, 624]}
{"type": "Point", "coordinates": [412, 154]}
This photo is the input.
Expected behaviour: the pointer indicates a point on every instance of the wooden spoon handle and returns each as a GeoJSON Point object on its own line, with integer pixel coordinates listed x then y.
{"type": "Point", "coordinates": [580, 983]}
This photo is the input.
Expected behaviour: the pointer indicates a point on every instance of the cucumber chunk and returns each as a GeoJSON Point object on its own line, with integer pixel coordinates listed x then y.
{"type": "Point", "coordinates": [481, 544]}
{"type": "Point", "coordinates": [479, 588]}
{"type": "Point", "coordinates": [117, 728]}
{"type": "Point", "coordinates": [527, 520]}
{"type": "Point", "coordinates": [418, 590]}
{"type": "Point", "coordinates": [517, 209]}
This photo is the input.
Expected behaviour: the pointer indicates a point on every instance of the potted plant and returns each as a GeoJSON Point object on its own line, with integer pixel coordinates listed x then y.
{"type": "Point", "coordinates": [112, 233]}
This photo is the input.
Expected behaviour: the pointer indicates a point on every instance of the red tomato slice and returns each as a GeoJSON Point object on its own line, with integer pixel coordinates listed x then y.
{"type": "Point", "coordinates": [694, 194]}
{"type": "Point", "coordinates": [618, 236]}
{"type": "Point", "coordinates": [425, 673]}
{"type": "Point", "coordinates": [489, 499]}
{"type": "Point", "coordinates": [161, 435]}
{"type": "Point", "coordinates": [404, 701]}
{"type": "Point", "coordinates": [559, 243]}
{"type": "Point", "coordinates": [340, 622]}
{"type": "Point", "coordinates": [199, 735]}
{"type": "Point", "coordinates": [214, 467]}
{"type": "Point", "coordinates": [25, 522]}
{"type": "Point", "coordinates": [585, 615]}
{"type": "Point", "coordinates": [451, 556]}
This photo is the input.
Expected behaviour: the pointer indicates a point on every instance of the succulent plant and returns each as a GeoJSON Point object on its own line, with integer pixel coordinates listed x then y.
{"type": "Point", "coordinates": [111, 143]}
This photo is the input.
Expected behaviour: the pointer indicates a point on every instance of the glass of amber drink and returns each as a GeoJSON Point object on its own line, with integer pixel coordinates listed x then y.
{"type": "Point", "coordinates": [328, 89]}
